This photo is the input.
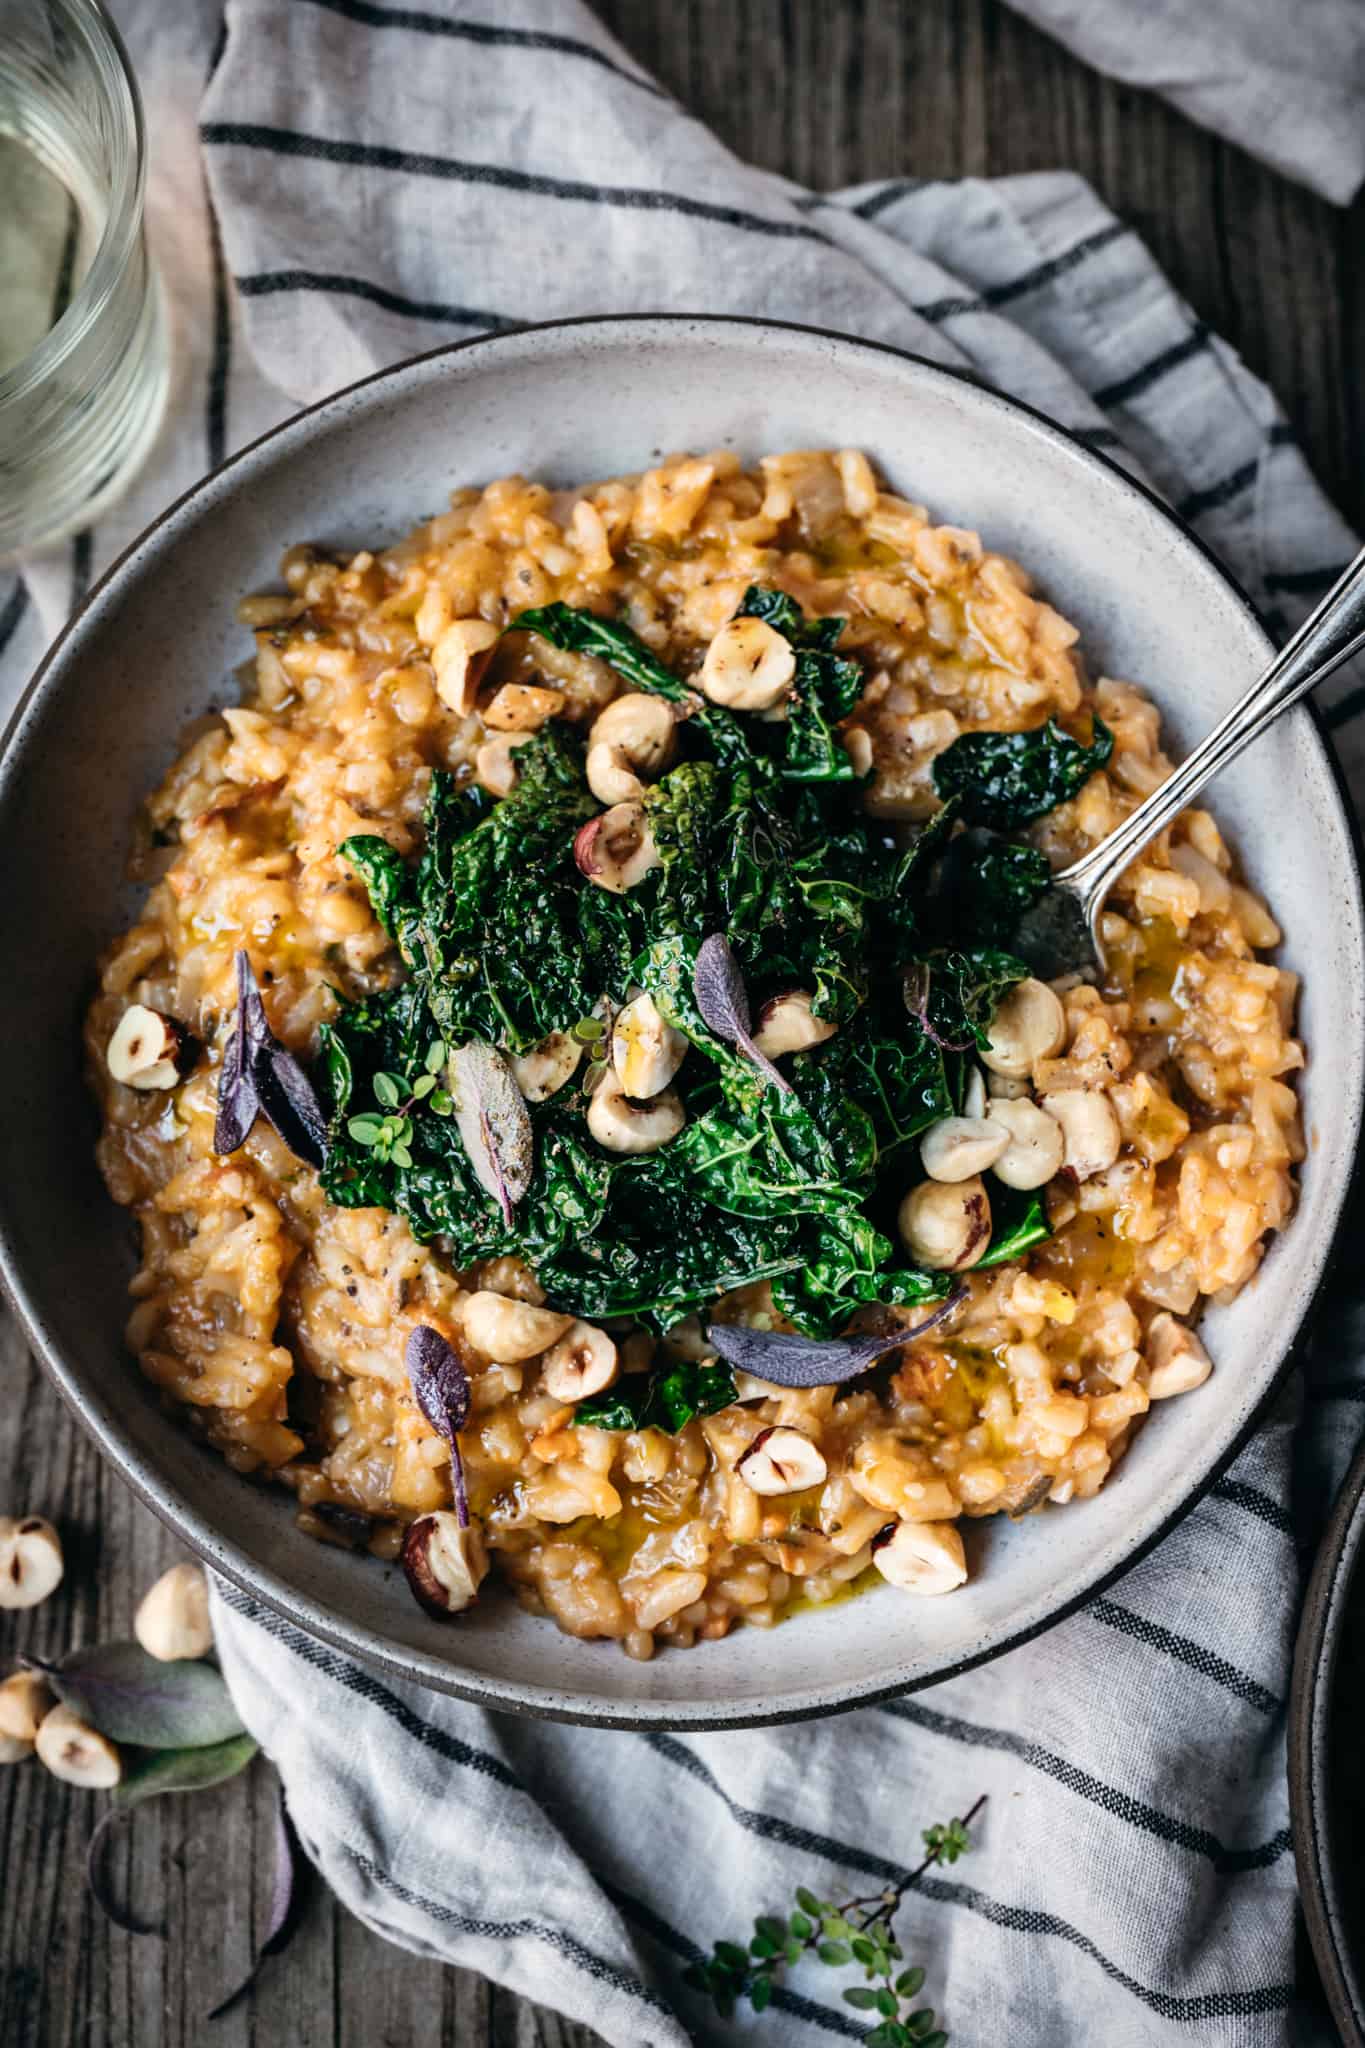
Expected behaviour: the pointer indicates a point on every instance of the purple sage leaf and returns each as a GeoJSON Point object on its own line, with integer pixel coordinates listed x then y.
{"type": "Point", "coordinates": [440, 1387]}
{"type": "Point", "coordinates": [723, 1001]}
{"type": "Point", "coordinates": [165, 1770]}
{"type": "Point", "coordinates": [131, 1697]}
{"type": "Point", "coordinates": [284, 1902]}
{"type": "Point", "coordinates": [259, 1075]}
{"type": "Point", "coordinates": [491, 1117]}
{"type": "Point", "coordinates": [785, 1360]}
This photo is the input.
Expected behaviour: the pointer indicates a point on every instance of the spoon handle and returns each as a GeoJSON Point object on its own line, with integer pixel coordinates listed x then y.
{"type": "Point", "coordinates": [1329, 636]}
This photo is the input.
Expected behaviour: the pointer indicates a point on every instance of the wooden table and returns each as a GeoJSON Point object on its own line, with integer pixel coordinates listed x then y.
{"type": "Point", "coordinates": [829, 93]}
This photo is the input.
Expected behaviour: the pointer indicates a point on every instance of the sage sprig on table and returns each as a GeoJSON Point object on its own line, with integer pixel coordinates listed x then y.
{"type": "Point", "coordinates": [856, 1933]}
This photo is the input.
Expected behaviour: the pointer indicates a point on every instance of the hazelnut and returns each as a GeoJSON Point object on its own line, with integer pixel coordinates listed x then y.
{"type": "Point", "coordinates": [781, 1460]}
{"type": "Point", "coordinates": [459, 656]}
{"type": "Point", "coordinates": [1034, 1146]}
{"type": "Point", "coordinates": [960, 1147]}
{"type": "Point", "coordinates": [622, 1125]}
{"type": "Point", "coordinates": [543, 1071]}
{"type": "Point", "coordinates": [24, 1700]}
{"type": "Point", "coordinates": [146, 1049]}
{"type": "Point", "coordinates": [946, 1227]}
{"type": "Point", "coordinates": [445, 1562]}
{"type": "Point", "coordinates": [507, 1330]}
{"type": "Point", "coordinates": [1090, 1129]}
{"type": "Point", "coordinates": [173, 1619]}
{"type": "Point", "coordinates": [1029, 1025]}
{"type": "Point", "coordinates": [1178, 1361]}
{"type": "Point", "coordinates": [30, 1560]}
{"type": "Point", "coordinates": [787, 1023]}
{"type": "Point", "coordinates": [616, 849]}
{"type": "Point", "coordinates": [645, 1050]}
{"type": "Point", "coordinates": [921, 1557]}
{"type": "Point", "coordinates": [749, 666]}
{"type": "Point", "coordinates": [583, 1362]}
{"type": "Point", "coordinates": [77, 1753]}
{"type": "Point", "coordinates": [630, 744]}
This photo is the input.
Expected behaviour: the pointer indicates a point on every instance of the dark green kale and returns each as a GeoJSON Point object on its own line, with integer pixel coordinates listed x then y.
{"type": "Point", "coordinates": [1018, 1222]}
{"type": "Point", "coordinates": [666, 1399]}
{"type": "Point", "coordinates": [825, 689]}
{"type": "Point", "coordinates": [1005, 779]}
{"type": "Point", "coordinates": [760, 842]}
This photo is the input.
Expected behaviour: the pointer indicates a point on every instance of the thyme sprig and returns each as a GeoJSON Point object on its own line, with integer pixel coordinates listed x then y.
{"type": "Point", "coordinates": [857, 1932]}
{"type": "Point", "coordinates": [389, 1134]}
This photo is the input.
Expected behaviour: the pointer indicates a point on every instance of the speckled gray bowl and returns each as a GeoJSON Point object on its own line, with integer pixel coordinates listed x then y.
{"type": "Point", "coordinates": [157, 642]}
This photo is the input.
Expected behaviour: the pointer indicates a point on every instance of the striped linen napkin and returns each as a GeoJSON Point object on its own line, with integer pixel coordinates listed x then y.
{"type": "Point", "coordinates": [380, 180]}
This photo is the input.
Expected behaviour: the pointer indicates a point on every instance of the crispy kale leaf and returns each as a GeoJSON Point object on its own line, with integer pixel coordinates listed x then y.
{"type": "Point", "coordinates": [1005, 779]}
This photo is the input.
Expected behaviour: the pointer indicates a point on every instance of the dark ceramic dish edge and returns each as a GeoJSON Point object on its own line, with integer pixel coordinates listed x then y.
{"type": "Point", "coordinates": [256, 1583]}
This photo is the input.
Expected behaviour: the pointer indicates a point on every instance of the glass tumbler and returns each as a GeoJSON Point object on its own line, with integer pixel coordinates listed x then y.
{"type": "Point", "coordinates": [83, 356]}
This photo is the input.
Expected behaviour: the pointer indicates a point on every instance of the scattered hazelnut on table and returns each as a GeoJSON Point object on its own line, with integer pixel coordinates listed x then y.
{"type": "Point", "coordinates": [77, 1753]}
{"type": "Point", "coordinates": [30, 1560]}
{"type": "Point", "coordinates": [173, 1620]}
{"type": "Point", "coordinates": [24, 1700]}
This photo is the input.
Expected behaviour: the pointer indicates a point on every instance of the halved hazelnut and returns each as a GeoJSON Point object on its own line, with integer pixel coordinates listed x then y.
{"type": "Point", "coordinates": [522, 707]}
{"type": "Point", "coordinates": [749, 666]}
{"type": "Point", "coordinates": [782, 1460]}
{"type": "Point", "coordinates": [494, 765]}
{"type": "Point", "coordinates": [445, 1562]}
{"type": "Point", "coordinates": [24, 1701]}
{"type": "Point", "coordinates": [630, 745]}
{"type": "Point", "coordinates": [646, 1051]}
{"type": "Point", "coordinates": [459, 657]}
{"type": "Point", "coordinates": [946, 1226]}
{"type": "Point", "coordinates": [583, 1362]}
{"type": "Point", "coordinates": [543, 1071]}
{"type": "Point", "coordinates": [172, 1621]}
{"type": "Point", "coordinates": [30, 1560]}
{"type": "Point", "coordinates": [77, 1753]}
{"type": "Point", "coordinates": [13, 1751]}
{"type": "Point", "coordinates": [616, 849]}
{"type": "Point", "coordinates": [507, 1330]}
{"type": "Point", "coordinates": [787, 1023]}
{"type": "Point", "coordinates": [1178, 1361]}
{"type": "Point", "coordinates": [921, 1557]}
{"type": "Point", "coordinates": [146, 1049]}
{"type": "Point", "coordinates": [624, 1125]}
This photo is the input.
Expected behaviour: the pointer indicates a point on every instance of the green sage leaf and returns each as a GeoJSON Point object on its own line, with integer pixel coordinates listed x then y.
{"type": "Point", "coordinates": [132, 1697]}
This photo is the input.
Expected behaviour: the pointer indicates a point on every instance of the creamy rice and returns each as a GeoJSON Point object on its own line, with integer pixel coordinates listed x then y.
{"type": "Point", "coordinates": [279, 1320]}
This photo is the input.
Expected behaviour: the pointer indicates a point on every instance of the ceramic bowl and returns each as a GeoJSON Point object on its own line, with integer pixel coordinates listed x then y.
{"type": "Point", "coordinates": [156, 643]}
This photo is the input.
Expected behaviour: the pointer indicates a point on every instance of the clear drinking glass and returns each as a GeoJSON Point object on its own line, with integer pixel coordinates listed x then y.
{"type": "Point", "coordinates": [83, 356]}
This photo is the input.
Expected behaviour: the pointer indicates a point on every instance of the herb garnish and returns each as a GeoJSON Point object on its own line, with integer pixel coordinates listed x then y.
{"type": "Point", "coordinates": [787, 1361]}
{"type": "Point", "coordinates": [259, 1075]}
{"type": "Point", "coordinates": [440, 1387]}
{"type": "Point", "coordinates": [723, 1002]}
{"type": "Point", "coordinates": [667, 1399]}
{"type": "Point", "coordinates": [858, 1931]}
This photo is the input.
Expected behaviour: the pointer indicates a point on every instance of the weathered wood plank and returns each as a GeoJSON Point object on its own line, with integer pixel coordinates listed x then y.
{"type": "Point", "coordinates": [829, 95]}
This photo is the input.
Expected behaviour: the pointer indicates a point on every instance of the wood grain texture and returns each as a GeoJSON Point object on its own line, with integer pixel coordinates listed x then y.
{"type": "Point", "coordinates": [830, 94]}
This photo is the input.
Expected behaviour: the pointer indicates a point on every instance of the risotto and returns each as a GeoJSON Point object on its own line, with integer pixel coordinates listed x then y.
{"type": "Point", "coordinates": [663, 1185]}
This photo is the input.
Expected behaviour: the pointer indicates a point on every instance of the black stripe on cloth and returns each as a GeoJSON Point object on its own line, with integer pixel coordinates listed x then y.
{"type": "Point", "coordinates": [375, 156]}
{"type": "Point", "coordinates": [1305, 582]}
{"type": "Point", "coordinates": [262, 284]}
{"type": "Point", "coordinates": [649, 1923]}
{"type": "Point", "coordinates": [1206, 1662]}
{"type": "Point", "coordinates": [1339, 1390]}
{"type": "Point", "coordinates": [424, 24]}
{"type": "Point", "coordinates": [938, 310]}
{"type": "Point", "coordinates": [15, 607]}
{"type": "Point", "coordinates": [369, 1689]}
{"type": "Point", "coordinates": [1221, 493]}
{"type": "Point", "coordinates": [1282, 435]}
{"type": "Point", "coordinates": [1251, 1498]}
{"type": "Point", "coordinates": [1019, 1919]}
{"type": "Point", "coordinates": [1138, 381]}
{"type": "Point", "coordinates": [1182, 1834]}
{"type": "Point", "coordinates": [599, 1968]}
{"type": "Point", "coordinates": [1200, 2005]}
{"type": "Point", "coordinates": [769, 1826]}
{"type": "Point", "coordinates": [878, 202]}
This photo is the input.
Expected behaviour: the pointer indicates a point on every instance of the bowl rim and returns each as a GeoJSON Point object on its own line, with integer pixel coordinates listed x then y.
{"type": "Point", "coordinates": [1313, 1715]}
{"type": "Point", "coordinates": [260, 1584]}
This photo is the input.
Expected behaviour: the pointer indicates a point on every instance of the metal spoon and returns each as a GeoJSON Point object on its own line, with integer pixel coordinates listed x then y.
{"type": "Point", "coordinates": [1060, 934]}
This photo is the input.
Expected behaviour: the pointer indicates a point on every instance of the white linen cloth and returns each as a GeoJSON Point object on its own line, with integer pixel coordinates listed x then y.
{"type": "Point", "coordinates": [380, 179]}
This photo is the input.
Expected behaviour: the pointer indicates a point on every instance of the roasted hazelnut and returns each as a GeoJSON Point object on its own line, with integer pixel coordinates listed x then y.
{"type": "Point", "coordinates": [946, 1226]}
{"type": "Point", "coordinates": [749, 666]}
{"type": "Point", "coordinates": [24, 1700]}
{"type": "Point", "coordinates": [921, 1557]}
{"type": "Point", "coordinates": [583, 1362]}
{"type": "Point", "coordinates": [507, 1330]}
{"type": "Point", "coordinates": [960, 1147]}
{"type": "Point", "coordinates": [543, 1071]}
{"type": "Point", "coordinates": [1029, 1025]}
{"type": "Point", "coordinates": [616, 849]}
{"type": "Point", "coordinates": [623, 1125]}
{"type": "Point", "coordinates": [172, 1621]}
{"type": "Point", "coordinates": [146, 1049]}
{"type": "Point", "coordinates": [445, 1562]}
{"type": "Point", "coordinates": [781, 1460]}
{"type": "Point", "coordinates": [787, 1023]}
{"type": "Point", "coordinates": [1178, 1361]}
{"type": "Point", "coordinates": [30, 1560]}
{"type": "Point", "coordinates": [76, 1752]}
{"type": "Point", "coordinates": [646, 1051]}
